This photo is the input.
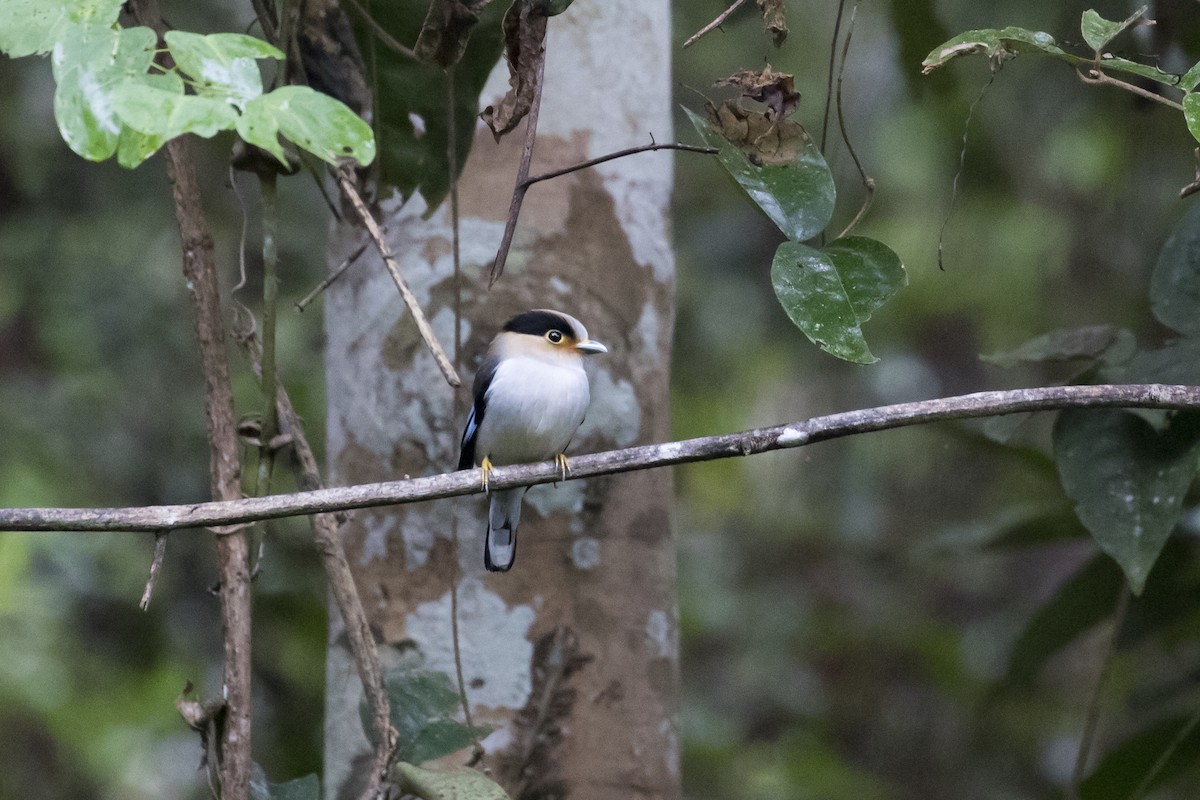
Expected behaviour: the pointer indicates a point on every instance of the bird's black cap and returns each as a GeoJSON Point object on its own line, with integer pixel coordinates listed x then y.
{"type": "Point", "coordinates": [538, 322]}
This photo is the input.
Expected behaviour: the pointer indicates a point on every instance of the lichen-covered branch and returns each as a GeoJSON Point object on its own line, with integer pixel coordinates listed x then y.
{"type": "Point", "coordinates": [706, 448]}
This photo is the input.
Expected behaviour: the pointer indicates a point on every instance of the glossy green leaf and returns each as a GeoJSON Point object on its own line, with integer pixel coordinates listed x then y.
{"type": "Point", "coordinates": [89, 63]}
{"type": "Point", "coordinates": [411, 119]}
{"type": "Point", "coordinates": [1121, 772]}
{"type": "Point", "coordinates": [1175, 283]}
{"type": "Point", "coordinates": [459, 783]}
{"type": "Point", "coordinates": [1098, 31]}
{"type": "Point", "coordinates": [798, 196]}
{"type": "Point", "coordinates": [1127, 480]}
{"type": "Point", "coordinates": [815, 298]}
{"type": "Point", "coordinates": [871, 272]}
{"type": "Point", "coordinates": [223, 65]}
{"type": "Point", "coordinates": [316, 122]}
{"type": "Point", "coordinates": [1084, 600]}
{"type": "Point", "coordinates": [33, 26]}
{"type": "Point", "coordinates": [994, 43]}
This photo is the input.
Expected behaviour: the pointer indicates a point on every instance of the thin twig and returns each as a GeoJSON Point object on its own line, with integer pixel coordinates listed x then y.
{"type": "Point", "coordinates": [160, 552]}
{"type": "Point", "coordinates": [514, 207]}
{"type": "Point", "coordinates": [837, 29]}
{"type": "Point", "coordinates": [385, 251]}
{"type": "Point", "coordinates": [962, 162]}
{"type": "Point", "coordinates": [1095, 75]}
{"type": "Point", "coordinates": [646, 148]}
{"type": "Point", "coordinates": [716, 23]}
{"type": "Point", "coordinates": [380, 33]}
{"type": "Point", "coordinates": [1165, 756]}
{"type": "Point", "coordinates": [267, 20]}
{"type": "Point", "coordinates": [1093, 713]}
{"type": "Point", "coordinates": [706, 448]}
{"type": "Point", "coordinates": [328, 280]}
{"type": "Point", "coordinates": [269, 382]}
{"type": "Point", "coordinates": [867, 180]}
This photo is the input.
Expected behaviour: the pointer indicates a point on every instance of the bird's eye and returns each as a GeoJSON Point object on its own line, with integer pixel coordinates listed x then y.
{"type": "Point", "coordinates": [554, 337]}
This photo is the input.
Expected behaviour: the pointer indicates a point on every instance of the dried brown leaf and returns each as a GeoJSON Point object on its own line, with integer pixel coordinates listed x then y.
{"type": "Point", "coordinates": [524, 42]}
{"type": "Point", "coordinates": [776, 90]}
{"type": "Point", "coordinates": [447, 27]}
{"type": "Point", "coordinates": [775, 20]}
{"type": "Point", "coordinates": [763, 137]}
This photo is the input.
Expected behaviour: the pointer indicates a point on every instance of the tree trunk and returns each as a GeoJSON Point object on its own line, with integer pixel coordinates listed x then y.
{"type": "Point", "coordinates": [571, 658]}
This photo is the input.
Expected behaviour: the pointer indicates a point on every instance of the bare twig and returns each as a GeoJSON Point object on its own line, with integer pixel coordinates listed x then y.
{"type": "Point", "coordinates": [646, 148]}
{"type": "Point", "coordinates": [868, 181]}
{"type": "Point", "coordinates": [837, 30]}
{"type": "Point", "coordinates": [1093, 713]}
{"type": "Point", "coordinates": [716, 23]}
{"type": "Point", "coordinates": [385, 251]}
{"type": "Point", "coordinates": [380, 33]}
{"type": "Point", "coordinates": [267, 20]}
{"type": "Point", "coordinates": [328, 280]}
{"type": "Point", "coordinates": [707, 448]}
{"type": "Point", "coordinates": [514, 207]}
{"type": "Point", "coordinates": [962, 162]}
{"type": "Point", "coordinates": [160, 552]}
{"type": "Point", "coordinates": [1096, 75]}
{"type": "Point", "coordinates": [1165, 757]}
{"type": "Point", "coordinates": [269, 383]}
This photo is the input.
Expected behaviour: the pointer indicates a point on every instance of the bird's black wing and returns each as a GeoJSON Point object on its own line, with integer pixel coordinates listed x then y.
{"type": "Point", "coordinates": [483, 379]}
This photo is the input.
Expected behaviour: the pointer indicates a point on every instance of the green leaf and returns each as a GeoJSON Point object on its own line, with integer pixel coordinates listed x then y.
{"type": "Point", "coordinates": [1190, 80]}
{"type": "Point", "coordinates": [134, 147]}
{"type": "Point", "coordinates": [1127, 480]}
{"type": "Point", "coordinates": [223, 65]}
{"type": "Point", "coordinates": [1127, 765]}
{"type": "Point", "coordinates": [165, 114]}
{"type": "Point", "coordinates": [411, 116]}
{"type": "Point", "coordinates": [871, 272]}
{"type": "Point", "coordinates": [995, 43]}
{"type": "Point", "coordinates": [1065, 344]}
{"type": "Point", "coordinates": [815, 298]}
{"type": "Point", "coordinates": [1098, 31]}
{"type": "Point", "coordinates": [459, 783]}
{"type": "Point", "coordinates": [33, 26]}
{"type": "Point", "coordinates": [316, 122]}
{"type": "Point", "coordinates": [1175, 283]}
{"type": "Point", "coordinates": [797, 196]}
{"type": "Point", "coordinates": [422, 703]}
{"type": "Point", "coordinates": [1080, 603]}
{"type": "Point", "coordinates": [88, 64]}
{"type": "Point", "coordinates": [1141, 70]}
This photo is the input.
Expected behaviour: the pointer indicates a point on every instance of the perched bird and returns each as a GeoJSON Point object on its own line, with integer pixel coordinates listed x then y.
{"type": "Point", "coordinates": [531, 394]}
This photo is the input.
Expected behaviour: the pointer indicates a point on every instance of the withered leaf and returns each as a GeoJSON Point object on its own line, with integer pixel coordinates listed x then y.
{"type": "Point", "coordinates": [764, 138]}
{"type": "Point", "coordinates": [447, 27]}
{"type": "Point", "coordinates": [776, 90]}
{"type": "Point", "coordinates": [524, 44]}
{"type": "Point", "coordinates": [775, 20]}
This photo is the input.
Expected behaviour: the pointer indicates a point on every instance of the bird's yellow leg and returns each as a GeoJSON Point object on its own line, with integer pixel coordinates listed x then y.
{"type": "Point", "coordinates": [486, 468]}
{"type": "Point", "coordinates": [563, 466]}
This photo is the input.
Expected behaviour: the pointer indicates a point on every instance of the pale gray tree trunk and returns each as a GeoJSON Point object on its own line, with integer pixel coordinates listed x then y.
{"type": "Point", "coordinates": [571, 657]}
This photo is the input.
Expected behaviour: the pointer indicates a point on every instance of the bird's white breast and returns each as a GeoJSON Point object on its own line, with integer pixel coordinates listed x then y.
{"type": "Point", "coordinates": [534, 407]}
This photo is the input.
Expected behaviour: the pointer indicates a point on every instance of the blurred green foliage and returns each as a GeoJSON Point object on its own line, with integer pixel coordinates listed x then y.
{"type": "Point", "coordinates": [850, 613]}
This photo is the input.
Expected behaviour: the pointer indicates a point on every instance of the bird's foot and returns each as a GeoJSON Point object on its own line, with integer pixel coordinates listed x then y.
{"type": "Point", "coordinates": [563, 467]}
{"type": "Point", "coordinates": [486, 469]}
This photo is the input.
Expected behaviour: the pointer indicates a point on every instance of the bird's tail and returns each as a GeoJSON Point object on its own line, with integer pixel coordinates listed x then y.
{"type": "Point", "coordinates": [504, 512]}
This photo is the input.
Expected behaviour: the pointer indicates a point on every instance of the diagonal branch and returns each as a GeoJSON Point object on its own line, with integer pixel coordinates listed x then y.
{"type": "Point", "coordinates": [707, 448]}
{"type": "Point", "coordinates": [427, 334]}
